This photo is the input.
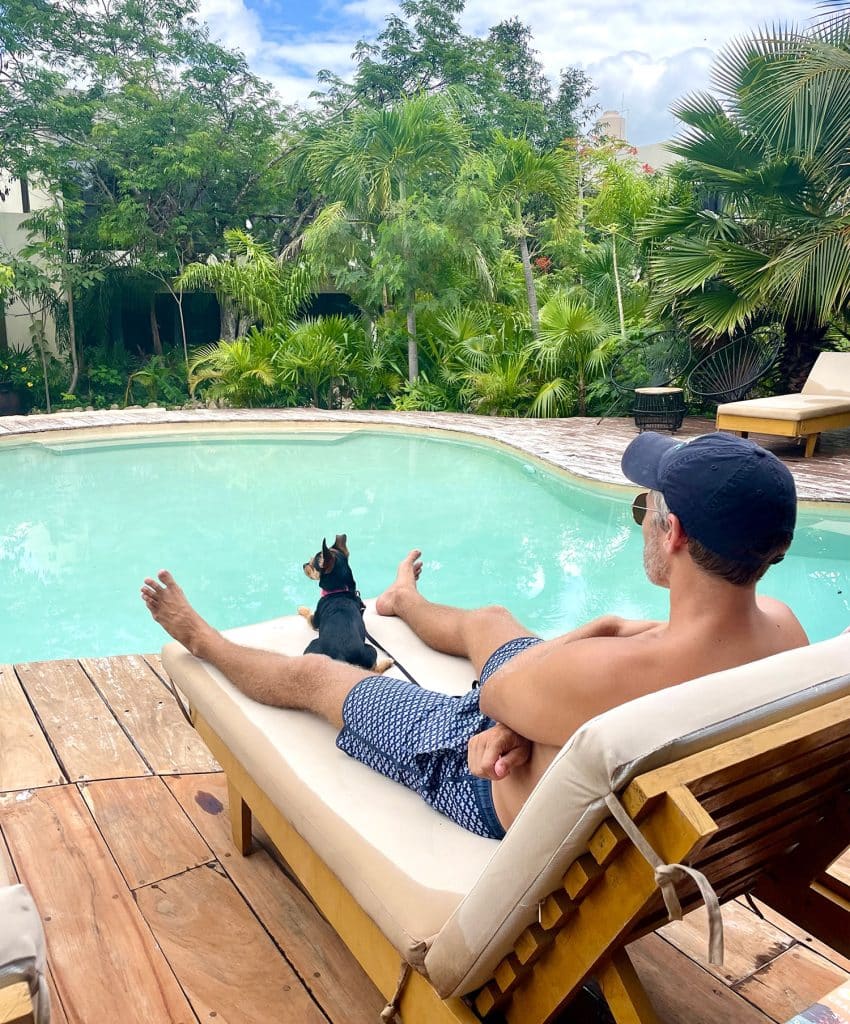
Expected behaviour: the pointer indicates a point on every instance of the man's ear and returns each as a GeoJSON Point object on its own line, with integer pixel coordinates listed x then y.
{"type": "Point", "coordinates": [341, 543]}
{"type": "Point", "coordinates": [675, 538]}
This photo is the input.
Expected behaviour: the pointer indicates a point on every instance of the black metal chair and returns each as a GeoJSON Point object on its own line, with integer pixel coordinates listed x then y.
{"type": "Point", "coordinates": [729, 373]}
{"type": "Point", "coordinates": [648, 373]}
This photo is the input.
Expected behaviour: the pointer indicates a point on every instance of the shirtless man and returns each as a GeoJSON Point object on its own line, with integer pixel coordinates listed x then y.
{"type": "Point", "coordinates": [719, 512]}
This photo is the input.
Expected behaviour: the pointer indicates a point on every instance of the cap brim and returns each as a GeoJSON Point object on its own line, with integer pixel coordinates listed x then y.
{"type": "Point", "coordinates": [642, 459]}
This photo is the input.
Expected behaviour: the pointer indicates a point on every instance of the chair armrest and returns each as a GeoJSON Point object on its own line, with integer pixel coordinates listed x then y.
{"type": "Point", "coordinates": [16, 1004]}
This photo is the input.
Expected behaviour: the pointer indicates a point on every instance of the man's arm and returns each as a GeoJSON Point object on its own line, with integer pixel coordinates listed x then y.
{"type": "Point", "coordinates": [547, 697]}
{"type": "Point", "coordinates": [608, 626]}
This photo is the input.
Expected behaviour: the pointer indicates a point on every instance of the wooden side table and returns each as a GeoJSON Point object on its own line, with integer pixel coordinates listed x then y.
{"type": "Point", "coordinates": [659, 408]}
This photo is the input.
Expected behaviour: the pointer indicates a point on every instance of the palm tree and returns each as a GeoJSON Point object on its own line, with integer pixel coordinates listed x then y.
{"type": "Point", "coordinates": [240, 372]}
{"type": "Point", "coordinates": [315, 356]}
{"type": "Point", "coordinates": [250, 283]}
{"type": "Point", "coordinates": [522, 174]}
{"type": "Point", "coordinates": [771, 239]}
{"type": "Point", "coordinates": [369, 171]}
{"type": "Point", "coordinates": [575, 344]}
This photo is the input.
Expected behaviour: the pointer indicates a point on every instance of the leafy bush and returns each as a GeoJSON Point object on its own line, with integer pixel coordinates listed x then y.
{"type": "Point", "coordinates": [162, 379]}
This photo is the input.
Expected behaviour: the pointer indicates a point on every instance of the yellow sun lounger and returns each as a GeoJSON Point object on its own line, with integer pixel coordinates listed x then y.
{"type": "Point", "coordinates": [731, 783]}
{"type": "Point", "coordinates": [823, 404]}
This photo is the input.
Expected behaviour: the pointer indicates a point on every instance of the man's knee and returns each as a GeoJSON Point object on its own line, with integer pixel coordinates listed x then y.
{"type": "Point", "coordinates": [315, 668]}
{"type": "Point", "coordinates": [496, 613]}
{"type": "Point", "coordinates": [317, 671]}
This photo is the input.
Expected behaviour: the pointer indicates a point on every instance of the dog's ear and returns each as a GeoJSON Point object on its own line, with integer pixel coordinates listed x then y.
{"type": "Point", "coordinates": [341, 543]}
{"type": "Point", "coordinates": [328, 558]}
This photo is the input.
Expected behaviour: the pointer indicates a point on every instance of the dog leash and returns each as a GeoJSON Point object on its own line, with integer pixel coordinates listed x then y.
{"type": "Point", "coordinates": [396, 662]}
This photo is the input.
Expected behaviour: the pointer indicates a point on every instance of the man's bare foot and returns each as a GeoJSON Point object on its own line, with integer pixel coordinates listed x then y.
{"type": "Point", "coordinates": [171, 609]}
{"type": "Point", "coordinates": [409, 571]}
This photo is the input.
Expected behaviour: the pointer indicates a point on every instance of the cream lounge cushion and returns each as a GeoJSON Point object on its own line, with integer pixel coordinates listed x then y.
{"type": "Point", "coordinates": [825, 393]}
{"type": "Point", "coordinates": [22, 953]}
{"type": "Point", "coordinates": [453, 903]}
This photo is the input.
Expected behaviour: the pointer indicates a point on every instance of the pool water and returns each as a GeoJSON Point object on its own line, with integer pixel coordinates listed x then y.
{"type": "Point", "coordinates": [234, 518]}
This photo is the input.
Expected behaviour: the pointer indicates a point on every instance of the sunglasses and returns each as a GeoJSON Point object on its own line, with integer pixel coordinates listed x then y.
{"type": "Point", "coordinates": [639, 508]}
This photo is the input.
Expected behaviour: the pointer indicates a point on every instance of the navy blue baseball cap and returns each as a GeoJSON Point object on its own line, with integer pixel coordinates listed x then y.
{"type": "Point", "coordinates": [734, 497]}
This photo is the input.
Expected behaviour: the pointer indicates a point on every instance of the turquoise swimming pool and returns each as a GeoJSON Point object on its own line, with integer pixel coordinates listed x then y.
{"type": "Point", "coordinates": [235, 516]}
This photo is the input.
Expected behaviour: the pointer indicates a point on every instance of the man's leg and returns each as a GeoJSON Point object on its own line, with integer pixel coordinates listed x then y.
{"type": "Point", "coordinates": [470, 634]}
{"type": "Point", "coordinates": [308, 682]}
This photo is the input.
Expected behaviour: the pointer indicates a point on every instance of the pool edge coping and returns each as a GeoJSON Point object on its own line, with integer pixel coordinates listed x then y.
{"type": "Point", "coordinates": [95, 425]}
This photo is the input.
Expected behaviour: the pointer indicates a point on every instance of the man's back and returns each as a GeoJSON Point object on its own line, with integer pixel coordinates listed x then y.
{"type": "Point", "coordinates": [550, 690]}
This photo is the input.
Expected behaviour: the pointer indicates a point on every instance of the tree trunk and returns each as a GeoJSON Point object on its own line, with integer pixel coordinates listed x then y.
{"type": "Point", "coordinates": [227, 319]}
{"type": "Point", "coordinates": [157, 341]}
{"type": "Point", "coordinates": [617, 286]}
{"type": "Point", "coordinates": [39, 334]}
{"type": "Point", "coordinates": [412, 347]}
{"type": "Point", "coordinates": [178, 298]}
{"type": "Point", "coordinates": [802, 345]}
{"type": "Point", "coordinates": [529, 277]}
{"type": "Point", "coordinates": [410, 301]}
{"type": "Point", "coordinates": [72, 337]}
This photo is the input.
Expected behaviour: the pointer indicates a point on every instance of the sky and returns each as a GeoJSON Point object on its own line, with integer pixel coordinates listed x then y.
{"type": "Point", "coordinates": [642, 55]}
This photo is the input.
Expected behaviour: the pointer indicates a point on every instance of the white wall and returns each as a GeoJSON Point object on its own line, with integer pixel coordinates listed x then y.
{"type": "Point", "coordinates": [12, 238]}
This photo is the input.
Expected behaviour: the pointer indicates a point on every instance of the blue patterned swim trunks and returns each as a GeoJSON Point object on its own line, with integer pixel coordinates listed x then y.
{"type": "Point", "coordinates": [419, 738]}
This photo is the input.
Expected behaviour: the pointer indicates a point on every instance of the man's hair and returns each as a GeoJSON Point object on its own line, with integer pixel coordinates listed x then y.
{"type": "Point", "coordinates": [739, 573]}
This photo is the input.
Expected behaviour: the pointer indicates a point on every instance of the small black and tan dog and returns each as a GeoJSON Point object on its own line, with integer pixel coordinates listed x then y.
{"type": "Point", "coordinates": [338, 617]}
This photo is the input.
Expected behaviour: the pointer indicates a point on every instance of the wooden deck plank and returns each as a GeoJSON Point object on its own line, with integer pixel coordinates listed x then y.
{"type": "Point", "coordinates": [839, 875]}
{"type": "Point", "coordinates": [7, 868]}
{"type": "Point", "coordinates": [143, 704]}
{"type": "Point", "coordinates": [750, 942]}
{"type": "Point", "coordinates": [26, 760]}
{"type": "Point", "coordinates": [57, 1010]}
{"type": "Point", "coordinates": [231, 972]}
{"type": "Point", "coordinates": [313, 948]}
{"type": "Point", "coordinates": [145, 829]}
{"type": "Point", "coordinates": [802, 936]}
{"type": "Point", "coordinates": [87, 739]}
{"type": "Point", "coordinates": [681, 992]}
{"type": "Point", "coordinates": [105, 962]}
{"type": "Point", "coordinates": [790, 983]}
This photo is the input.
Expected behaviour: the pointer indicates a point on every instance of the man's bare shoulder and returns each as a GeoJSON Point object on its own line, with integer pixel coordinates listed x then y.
{"type": "Point", "coordinates": [784, 619]}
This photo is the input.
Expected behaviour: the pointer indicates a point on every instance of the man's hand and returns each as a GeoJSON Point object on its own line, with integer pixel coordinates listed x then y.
{"type": "Point", "coordinates": [494, 753]}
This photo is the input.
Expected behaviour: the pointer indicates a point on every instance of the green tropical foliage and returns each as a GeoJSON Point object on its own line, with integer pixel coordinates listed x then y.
{"type": "Point", "coordinates": [767, 237]}
{"type": "Point", "coordinates": [575, 344]}
{"type": "Point", "coordinates": [491, 253]}
{"type": "Point", "coordinates": [240, 372]}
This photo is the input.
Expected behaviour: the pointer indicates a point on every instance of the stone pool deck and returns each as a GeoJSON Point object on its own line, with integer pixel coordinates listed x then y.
{"type": "Point", "coordinates": [588, 448]}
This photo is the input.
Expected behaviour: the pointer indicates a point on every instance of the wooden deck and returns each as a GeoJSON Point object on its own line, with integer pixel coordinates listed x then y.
{"type": "Point", "coordinates": [114, 814]}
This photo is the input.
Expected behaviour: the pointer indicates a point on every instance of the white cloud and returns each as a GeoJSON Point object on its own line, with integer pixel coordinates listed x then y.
{"type": "Point", "coordinates": [641, 54]}
{"type": "Point", "coordinates": [233, 24]}
{"type": "Point", "coordinates": [643, 88]}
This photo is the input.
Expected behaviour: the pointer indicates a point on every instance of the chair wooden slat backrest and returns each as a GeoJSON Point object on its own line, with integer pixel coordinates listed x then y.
{"type": "Point", "coordinates": [768, 809]}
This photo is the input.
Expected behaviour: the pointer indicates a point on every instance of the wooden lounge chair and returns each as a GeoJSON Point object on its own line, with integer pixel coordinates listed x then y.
{"type": "Point", "coordinates": [23, 989]}
{"type": "Point", "coordinates": [823, 404]}
{"type": "Point", "coordinates": [740, 776]}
